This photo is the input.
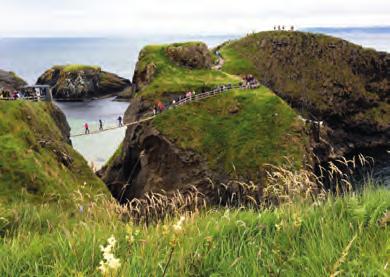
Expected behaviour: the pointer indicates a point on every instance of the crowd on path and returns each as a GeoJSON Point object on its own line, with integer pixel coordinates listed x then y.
{"type": "Point", "coordinates": [22, 94]}
{"type": "Point", "coordinates": [248, 82]}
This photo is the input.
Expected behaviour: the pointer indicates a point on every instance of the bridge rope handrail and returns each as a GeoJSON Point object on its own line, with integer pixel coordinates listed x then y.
{"type": "Point", "coordinates": [181, 102]}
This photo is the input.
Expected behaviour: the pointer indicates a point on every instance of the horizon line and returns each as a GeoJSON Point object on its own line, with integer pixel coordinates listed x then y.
{"type": "Point", "coordinates": [148, 34]}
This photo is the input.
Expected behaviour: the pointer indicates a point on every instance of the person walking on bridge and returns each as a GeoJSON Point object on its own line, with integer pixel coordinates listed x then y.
{"type": "Point", "coordinates": [120, 121]}
{"type": "Point", "coordinates": [86, 128]}
{"type": "Point", "coordinates": [100, 125]}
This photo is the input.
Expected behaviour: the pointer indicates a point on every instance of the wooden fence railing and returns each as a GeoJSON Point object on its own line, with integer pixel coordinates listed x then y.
{"type": "Point", "coordinates": [30, 98]}
{"type": "Point", "coordinates": [214, 92]}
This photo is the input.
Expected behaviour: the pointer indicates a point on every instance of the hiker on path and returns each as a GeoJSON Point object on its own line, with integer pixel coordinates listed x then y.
{"type": "Point", "coordinates": [100, 125]}
{"type": "Point", "coordinates": [120, 121]}
{"type": "Point", "coordinates": [160, 106]}
{"type": "Point", "coordinates": [154, 110]}
{"type": "Point", "coordinates": [86, 128]}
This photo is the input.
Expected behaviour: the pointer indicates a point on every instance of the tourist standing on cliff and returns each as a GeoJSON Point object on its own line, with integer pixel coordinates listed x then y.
{"type": "Point", "coordinates": [86, 128]}
{"type": "Point", "coordinates": [100, 125]}
{"type": "Point", "coordinates": [120, 121]}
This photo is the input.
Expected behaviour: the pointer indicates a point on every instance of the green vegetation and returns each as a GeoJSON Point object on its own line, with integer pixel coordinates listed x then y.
{"type": "Point", "coordinates": [320, 70]}
{"type": "Point", "coordinates": [235, 63]}
{"type": "Point", "coordinates": [240, 131]}
{"type": "Point", "coordinates": [342, 235]}
{"type": "Point", "coordinates": [31, 149]}
{"type": "Point", "coordinates": [173, 79]}
{"type": "Point", "coordinates": [77, 67]}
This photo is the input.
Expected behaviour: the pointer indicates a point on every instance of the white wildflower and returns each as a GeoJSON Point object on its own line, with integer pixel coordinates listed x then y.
{"type": "Point", "coordinates": [178, 227]}
{"type": "Point", "coordinates": [109, 264]}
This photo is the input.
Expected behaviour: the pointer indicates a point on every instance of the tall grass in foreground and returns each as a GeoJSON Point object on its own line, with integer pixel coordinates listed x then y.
{"type": "Point", "coordinates": [301, 234]}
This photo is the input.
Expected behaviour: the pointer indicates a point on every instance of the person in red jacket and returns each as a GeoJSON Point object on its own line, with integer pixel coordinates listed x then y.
{"type": "Point", "coordinates": [86, 128]}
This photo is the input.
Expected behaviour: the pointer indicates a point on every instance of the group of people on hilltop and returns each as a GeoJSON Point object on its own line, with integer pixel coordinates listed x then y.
{"type": "Point", "coordinates": [283, 28]}
{"type": "Point", "coordinates": [19, 94]}
{"type": "Point", "coordinates": [101, 127]}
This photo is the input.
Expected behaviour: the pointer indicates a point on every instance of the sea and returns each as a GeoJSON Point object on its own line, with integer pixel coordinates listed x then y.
{"type": "Point", "coordinates": [30, 57]}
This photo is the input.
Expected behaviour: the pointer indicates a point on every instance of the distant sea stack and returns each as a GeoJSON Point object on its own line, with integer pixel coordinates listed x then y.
{"type": "Point", "coordinates": [77, 82]}
{"type": "Point", "coordinates": [10, 81]}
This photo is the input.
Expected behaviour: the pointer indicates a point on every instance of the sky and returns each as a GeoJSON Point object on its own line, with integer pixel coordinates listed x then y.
{"type": "Point", "coordinates": [132, 17]}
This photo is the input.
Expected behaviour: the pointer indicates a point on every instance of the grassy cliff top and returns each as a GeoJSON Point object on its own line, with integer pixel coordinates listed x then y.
{"type": "Point", "coordinates": [32, 149]}
{"type": "Point", "coordinates": [238, 132]}
{"type": "Point", "coordinates": [171, 78]}
{"type": "Point", "coordinates": [330, 76]}
{"type": "Point", "coordinates": [77, 67]}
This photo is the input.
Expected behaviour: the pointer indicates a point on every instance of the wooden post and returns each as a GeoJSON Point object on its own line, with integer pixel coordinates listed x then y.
{"type": "Point", "coordinates": [49, 95]}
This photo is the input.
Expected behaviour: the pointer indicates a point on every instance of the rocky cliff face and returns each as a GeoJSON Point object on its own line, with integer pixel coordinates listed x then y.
{"type": "Point", "coordinates": [82, 82]}
{"type": "Point", "coordinates": [327, 79]}
{"type": "Point", "coordinates": [148, 161]}
{"type": "Point", "coordinates": [10, 81]}
{"type": "Point", "coordinates": [193, 55]}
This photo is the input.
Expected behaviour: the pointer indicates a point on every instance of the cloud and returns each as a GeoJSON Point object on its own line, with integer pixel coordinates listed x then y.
{"type": "Point", "coordinates": [124, 17]}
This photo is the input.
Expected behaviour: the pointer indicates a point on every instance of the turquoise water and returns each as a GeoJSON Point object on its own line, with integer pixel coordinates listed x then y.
{"type": "Point", "coordinates": [100, 147]}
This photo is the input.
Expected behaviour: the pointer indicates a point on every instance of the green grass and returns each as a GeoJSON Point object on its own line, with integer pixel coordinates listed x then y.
{"type": "Point", "coordinates": [173, 79]}
{"type": "Point", "coordinates": [264, 130]}
{"type": "Point", "coordinates": [77, 67]}
{"type": "Point", "coordinates": [339, 235]}
{"type": "Point", "coordinates": [236, 64]}
{"type": "Point", "coordinates": [305, 68]}
{"type": "Point", "coordinates": [29, 170]}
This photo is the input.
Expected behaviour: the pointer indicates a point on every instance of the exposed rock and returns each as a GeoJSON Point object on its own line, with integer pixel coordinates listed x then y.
{"type": "Point", "coordinates": [144, 75]}
{"type": "Point", "coordinates": [234, 109]}
{"type": "Point", "coordinates": [326, 79]}
{"type": "Point", "coordinates": [193, 55]}
{"type": "Point", "coordinates": [61, 122]}
{"type": "Point", "coordinates": [10, 81]}
{"type": "Point", "coordinates": [150, 162]}
{"type": "Point", "coordinates": [82, 82]}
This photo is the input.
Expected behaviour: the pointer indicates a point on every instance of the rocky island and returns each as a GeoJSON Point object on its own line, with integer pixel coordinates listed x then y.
{"type": "Point", "coordinates": [307, 78]}
{"type": "Point", "coordinates": [78, 82]}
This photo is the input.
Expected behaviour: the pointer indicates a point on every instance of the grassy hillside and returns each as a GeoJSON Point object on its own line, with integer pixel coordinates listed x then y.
{"type": "Point", "coordinates": [171, 78]}
{"type": "Point", "coordinates": [238, 132]}
{"type": "Point", "coordinates": [327, 76]}
{"type": "Point", "coordinates": [341, 236]}
{"type": "Point", "coordinates": [36, 163]}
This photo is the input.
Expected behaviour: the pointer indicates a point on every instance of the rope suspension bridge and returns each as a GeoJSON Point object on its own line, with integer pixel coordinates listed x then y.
{"type": "Point", "coordinates": [181, 102]}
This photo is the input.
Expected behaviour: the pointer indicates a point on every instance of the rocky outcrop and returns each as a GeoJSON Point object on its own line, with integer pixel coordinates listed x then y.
{"type": "Point", "coordinates": [326, 79]}
{"type": "Point", "coordinates": [149, 161]}
{"type": "Point", "coordinates": [195, 55]}
{"type": "Point", "coordinates": [143, 76]}
{"type": "Point", "coordinates": [60, 120]}
{"type": "Point", "coordinates": [10, 81]}
{"type": "Point", "coordinates": [82, 82]}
